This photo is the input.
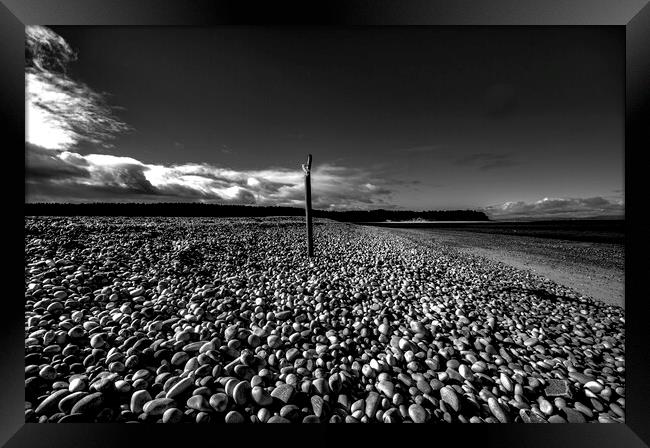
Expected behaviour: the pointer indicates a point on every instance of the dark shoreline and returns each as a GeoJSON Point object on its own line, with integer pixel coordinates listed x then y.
{"type": "Point", "coordinates": [594, 231]}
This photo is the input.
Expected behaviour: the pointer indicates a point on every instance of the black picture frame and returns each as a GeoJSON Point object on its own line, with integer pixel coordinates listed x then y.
{"type": "Point", "coordinates": [631, 15]}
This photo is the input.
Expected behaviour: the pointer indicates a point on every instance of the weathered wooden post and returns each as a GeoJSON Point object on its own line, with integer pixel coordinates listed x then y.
{"type": "Point", "coordinates": [310, 241]}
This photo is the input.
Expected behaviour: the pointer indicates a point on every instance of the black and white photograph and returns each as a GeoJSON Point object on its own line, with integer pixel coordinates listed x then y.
{"type": "Point", "coordinates": [334, 224]}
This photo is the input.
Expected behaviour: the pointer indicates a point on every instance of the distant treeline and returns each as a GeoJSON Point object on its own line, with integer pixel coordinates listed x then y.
{"type": "Point", "coordinates": [223, 210]}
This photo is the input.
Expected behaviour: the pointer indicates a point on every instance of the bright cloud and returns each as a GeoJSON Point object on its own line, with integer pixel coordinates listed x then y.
{"type": "Point", "coordinates": [61, 112]}
{"type": "Point", "coordinates": [66, 175]}
{"type": "Point", "coordinates": [558, 208]}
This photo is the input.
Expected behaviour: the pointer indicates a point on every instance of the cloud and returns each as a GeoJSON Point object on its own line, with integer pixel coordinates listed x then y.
{"type": "Point", "coordinates": [486, 161]}
{"type": "Point", "coordinates": [54, 176]}
{"type": "Point", "coordinates": [558, 208]}
{"type": "Point", "coordinates": [62, 112]}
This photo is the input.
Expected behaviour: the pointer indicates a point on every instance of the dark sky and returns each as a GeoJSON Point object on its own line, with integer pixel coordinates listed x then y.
{"type": "Point", "coordinates": [441, 117]}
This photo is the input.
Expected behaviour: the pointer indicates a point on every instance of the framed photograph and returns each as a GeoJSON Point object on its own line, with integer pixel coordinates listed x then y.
{"type": "Point", "coordinates": [348, 212]}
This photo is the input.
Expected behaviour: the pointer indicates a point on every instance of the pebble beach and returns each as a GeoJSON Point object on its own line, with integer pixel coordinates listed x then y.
{"type": "Point", "coordinates": [199, 320]}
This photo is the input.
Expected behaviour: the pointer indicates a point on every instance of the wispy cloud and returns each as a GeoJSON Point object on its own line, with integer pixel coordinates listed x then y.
{"type": "Point", "coordinates": [62, 112]}
{"type": "Point", "coordinates": [558, 208]}
{"type": "Point", "coordinates": [486, 160]}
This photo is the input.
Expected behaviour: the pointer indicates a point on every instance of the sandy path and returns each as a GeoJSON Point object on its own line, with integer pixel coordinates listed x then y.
{"type": "Point", "coordinates": [592, 269]}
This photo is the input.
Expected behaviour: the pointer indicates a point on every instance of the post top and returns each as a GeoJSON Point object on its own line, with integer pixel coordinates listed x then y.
{"type": "Point", "coordinates": [307, 167]}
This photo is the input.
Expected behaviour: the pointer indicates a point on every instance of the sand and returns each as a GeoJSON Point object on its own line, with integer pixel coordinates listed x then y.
{"type": "Point", "coordinates": [592, 269]}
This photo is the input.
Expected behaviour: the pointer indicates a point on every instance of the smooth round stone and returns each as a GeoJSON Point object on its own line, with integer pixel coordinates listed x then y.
{"type": "Point", "coordinates": [203, 417]}
{"type": "Point", "coordinates": [76, 332]}
{"type": "Point", "coordinates": [497, 410]}
{"type": "Point", "coordinates": [449, 396]}
{"type": "Point", "coordinates": [368, 371]}
{"type": "Point", "coordinates": [230, 385]}
{"type": "Point", "coordinates": [138, 400]}
{"type": "Point", "coordinates": [594, 386]}
{"type": "Point", "coordinates": [546, 407]}
{"type": "Point", "coordinates": [372, 402]}
{"type": "Point", "coordinates": [123, 387]}
{"type": "Point", "coordinates": [289, 411]}
{"type": "Point", "coordinates": [180, 387]}
{"type": "Point", "coordinates": [453, 364]}
{"type": "Point", "coordinates": [47, 373]}
{"type": "Point", "coordinates": [466, 372]}
{"type": "Point", "coordinates": [199, 403]}
{"type": "Point", "coordinates": [423, 386]}
{"type": "Point", "coordinates": [334, 382]}
{"type": "Point", "coordinates": [530, 342]}
{"type": "Point", "coordinates": [219, 402]}
{"type": "Point", "coordinates": [234, 417]}
{"type": "Point", "coordinates": [88, 404]}
{"type": "Point", "coordinates": [50, 404]}
{"type": "Point", "coordinates": [158, 406]}
{"type": "Point", "coordinates": [311, 419]}
{"type": "Point", "coordinates": [417, 413]}
{"type": "Point", "coordinates": [479, 367]}
{"type": "Point", "coordinates": [68, 402]}
{"type": "Point", "coordinates": [384, 329]}
{"type": "Point", "coordinates": [257, 381]}
{"type": "Point", "coordinates": [105, 383]}
{"type": "Point", "coordinates": [278, 419]}
{"type": "Point", "coordinates": [273, 341]}
{"type": "Point", "coordinates": [97, 341]}
{"type": "Point", "coordinates": [387, 388]}
{"type": "Point", "coordinates": [77, 384]}
{"type": "Point", "coordinates": [143, 374]}
{"type": "Point", "coordinates": [263, 415]}
{"type": "Point", "coordinates": [261, 396]}
{"type": "Point", "coordinates": [172, 415]}
{"type": "Point", "coordinates": [391, 416]}
{"type": "Point", "coordinates": [55, 308]}
{"type": "Point", "coordinates": [584, 409]}
{"type": "Point", "coordinates": [292, 354]}
{"type": "Point", "coordinates": [556, 419]}
{"type": "Point", "coordinates": [241, 393]}
{"type": "Point", "coordinates": [506, 382]}
{"type": "Point", "coordinates": [180, 358]}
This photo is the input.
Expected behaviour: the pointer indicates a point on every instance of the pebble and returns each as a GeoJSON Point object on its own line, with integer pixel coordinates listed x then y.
{"type": "Point", "coordinates": [241, 393]}
{"type": "Point", "coordinates": [317, 404]}
{"type": "Point", "coordinates": [283, 392]}
{"type": "Point", "coordinates": [234, 417]}
{"type": "Point", "coordinates": [88, 405]}
{"type": "Point", "coordinates": [449, 396]}
{"type": "Point", "coordinates": [386, 387]}
{"type": "Point", "coordinates": [372, 404]}
{"type": "Point", "coordinates": [50, 404]}
{"type": "Point", "coordinates": [417, 413]}
{"type": "Point", "coordinates": [278, 419]}
{"type": "Point", "coordinates": [172, 415]}
{"type": "Point", "coordinates": [180, 387]}
{"type": "Point", "coordinates": [390, 328]}
{"type": "Point", "coordinates": [198, 402]}
{"type": "Point", "coordinates": [497, 410]}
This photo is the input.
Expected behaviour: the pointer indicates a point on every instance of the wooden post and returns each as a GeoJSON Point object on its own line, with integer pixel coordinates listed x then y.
{"type": "Point", "coordinates": [310, 240]}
